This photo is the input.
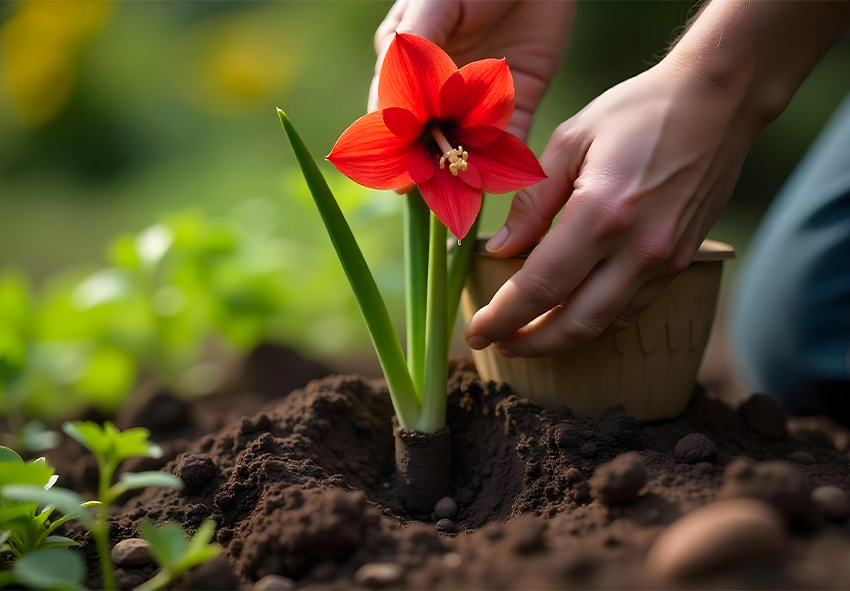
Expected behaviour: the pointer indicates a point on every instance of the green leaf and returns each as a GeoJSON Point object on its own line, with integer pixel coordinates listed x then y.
{"type": "Point", "coordinates": [66, 501]}
{"type": "Point", "coordinates": [130, 481]}
{"type": "Point", "coordinates": [384, 337]}
{"type": "Point", "coordinates": [109, 444]}
{"type": "Point", "coordinates": [58, 542]}
{"type": "Point", "coordinates": [171, 551]}
{"type": "Point", "coordinates": [9, 455]}
{"type": "Point", "coordinates": [15, 473]}
{"type": "Point", "coordinates": [50, 568]}
{"type": "Point", "coordinates": [168, 543]}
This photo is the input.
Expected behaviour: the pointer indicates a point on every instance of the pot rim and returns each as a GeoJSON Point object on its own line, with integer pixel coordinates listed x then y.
{"type": "Point", "coordinates": [709, 250]}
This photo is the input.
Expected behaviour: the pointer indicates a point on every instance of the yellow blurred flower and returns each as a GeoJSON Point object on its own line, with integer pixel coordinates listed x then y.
{"type": "Point", "coordinates": [39, 49]}
{"type": "Point", "coordinates": [237, 63]}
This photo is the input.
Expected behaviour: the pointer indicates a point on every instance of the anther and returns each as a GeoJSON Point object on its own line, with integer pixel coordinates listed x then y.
{"type": "Point", "coordinates": [456, 157]}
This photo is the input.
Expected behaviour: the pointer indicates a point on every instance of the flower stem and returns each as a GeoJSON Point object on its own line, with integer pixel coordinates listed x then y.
{"type": "Point", "coordinates": [416, 274]}
{"type": "Point", "coordinates": [433, 415]}
{"type": "Point", "coordinates": [384, 337]}
{"type": "Point", "coordinates": [458, 270]}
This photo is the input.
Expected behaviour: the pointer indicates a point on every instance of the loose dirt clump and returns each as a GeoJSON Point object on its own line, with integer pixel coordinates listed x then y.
{"type": "Point", "coordinates": [305, 489]}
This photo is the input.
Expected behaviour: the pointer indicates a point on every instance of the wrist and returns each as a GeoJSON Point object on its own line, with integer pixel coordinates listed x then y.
{"type": "Point", "coordinates": [751, 57]}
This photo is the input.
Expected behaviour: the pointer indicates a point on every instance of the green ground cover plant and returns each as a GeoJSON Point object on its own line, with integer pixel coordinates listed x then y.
{"type": "Point", "coordinates": [31, 552]}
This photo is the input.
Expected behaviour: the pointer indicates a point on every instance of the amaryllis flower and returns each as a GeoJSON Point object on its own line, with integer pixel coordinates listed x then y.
{"type": "Point", "coordinates": [442, 128]}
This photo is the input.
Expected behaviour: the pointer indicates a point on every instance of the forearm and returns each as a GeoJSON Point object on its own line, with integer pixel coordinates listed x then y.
{"type": "Point", "coordinates": [756, 53]}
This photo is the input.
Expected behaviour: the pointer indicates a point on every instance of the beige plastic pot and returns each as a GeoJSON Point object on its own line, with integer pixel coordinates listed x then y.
{"type": "Point", "coordinates": [650, 368]}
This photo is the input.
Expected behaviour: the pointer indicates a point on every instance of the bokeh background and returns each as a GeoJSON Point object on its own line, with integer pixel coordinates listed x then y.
{"type": "Point", "coordinates": [148, 197]}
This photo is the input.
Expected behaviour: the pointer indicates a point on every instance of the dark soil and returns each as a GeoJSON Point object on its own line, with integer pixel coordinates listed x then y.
{"type": "Point", "coordinates": [306, 488]}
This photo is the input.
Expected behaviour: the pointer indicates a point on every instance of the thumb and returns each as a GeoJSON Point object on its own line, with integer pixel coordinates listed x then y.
{"type": "Point", "coordinates": [534, 208]}
{"type": "Point", "coordinates": [432, 19]}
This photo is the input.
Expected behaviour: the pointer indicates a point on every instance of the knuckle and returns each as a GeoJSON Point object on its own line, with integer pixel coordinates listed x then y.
{"type": "Point", "coordinates": [583, 329]}
{"type": "Point", "coordinates": [614, 220]}
{"type": "Point", "coordinates": [565, 135]}
{"type": "Point", "coordinates": [524, 204]}
{"type": "Point", "coordinates": [680, 261]}
{"type": "Point", "coordinates": [655, 254]}
{"type": "Point", "coordinates": [540, 291]}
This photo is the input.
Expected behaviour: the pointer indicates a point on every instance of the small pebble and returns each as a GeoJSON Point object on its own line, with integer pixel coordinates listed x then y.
{"type": "Point", "coordinates": [764, 415]}
{"type": "Point", "coordinates": [778, 483]}
{"type": "Point", "coordinates": [447, 526]}
{"type": "Point", "coordinates": [132, 552]}
{"type": "Point", "coordinates": [446, 508]}
{"type": "Point", "coordinates": [620, 480]}
{"type": "Point", "coordinates": [695, 448]}
{"type": "Point", "coordinates": [801, 457]}
{"type": "Point", "coordinates": [716, 536]}
{"type": "Point", "coordinates": [452, 560]}
{"type": "Point", "coordinates": [573, 476]}
{"type": "Point", "coordinates": [832, 501]}
{"type": "Point", "coordinates": [274, 583]}
{"type": "Point", "coordinates": [378, 574]}
{"type": "Point", "coordinates": [195, 470]}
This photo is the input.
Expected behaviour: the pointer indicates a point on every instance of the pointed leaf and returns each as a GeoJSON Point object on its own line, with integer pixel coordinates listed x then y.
{"type": "Point", "coordinates": [168, 543]}
{"type": "Point", "coordinates": [130, 481]}
{"type": "Point", "coordinates": [66, 501]}
{"type": "Point", "coordinates": [384, 336]}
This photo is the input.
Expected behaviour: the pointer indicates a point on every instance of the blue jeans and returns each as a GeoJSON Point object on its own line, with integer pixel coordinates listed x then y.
{"type": "Point", "coordinates": [791, 307]}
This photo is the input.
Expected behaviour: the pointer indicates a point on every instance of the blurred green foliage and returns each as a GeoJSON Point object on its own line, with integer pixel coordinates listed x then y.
{"type": "Point", "coordinates": [173, 303]}
{"type": "Point", "coordinates": [112, 113]}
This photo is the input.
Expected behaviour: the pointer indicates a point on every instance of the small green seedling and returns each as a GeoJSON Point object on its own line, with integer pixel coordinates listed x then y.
{"type": "Point", "coordinates": [27, 504]}
{"type": "Point", "coordinates": [111, 447]}
{"type": "Point", "coordinates": [174, 554]}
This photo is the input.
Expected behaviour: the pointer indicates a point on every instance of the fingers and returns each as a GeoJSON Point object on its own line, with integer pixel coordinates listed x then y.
{"type": "Point", "coordinates": [553, 270]}
{"type": "Point", "coordinates": [534, 208]}
{"type": "Point", "coordinates": [600, 301]}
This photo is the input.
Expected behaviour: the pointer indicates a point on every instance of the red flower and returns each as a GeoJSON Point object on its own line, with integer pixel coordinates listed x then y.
{"type": "Point", "coordinates": [442, 128]}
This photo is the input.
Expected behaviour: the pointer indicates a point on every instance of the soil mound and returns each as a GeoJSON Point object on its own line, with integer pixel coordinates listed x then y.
{"type": "Point", "coordinates": [305, 489]}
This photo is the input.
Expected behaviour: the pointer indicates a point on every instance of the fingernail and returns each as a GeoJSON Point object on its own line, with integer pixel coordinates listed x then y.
{"type": "Point", "coordinates": [477, 342]}
{"type": "Point", "coordinates": [498, 239]}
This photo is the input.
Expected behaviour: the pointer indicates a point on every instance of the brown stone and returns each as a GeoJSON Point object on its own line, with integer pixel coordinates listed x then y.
{"type": "Point", "coordinates": [379, 574]}
{"type": "Point", "coordinates": [718, 535]}
{"type": "Point", "coordinates": [620, 480]}
{"type": "Point", "coordinates": [132, 552]}
{"type": "Point", "coordinates": [832, 501]}
{"type": "Point", "coordinates": [695, 448]}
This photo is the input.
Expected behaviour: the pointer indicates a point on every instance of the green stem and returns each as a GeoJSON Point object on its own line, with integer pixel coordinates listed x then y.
{"type": "Point", "coordinates": [433, 415]}
{"type": "Point", "coordinates": [101, 528]}
{"type": "Point", "coordinates": [416, 214]}
{"type": "Point", "coordinates": [458, 270]}
{"type": "Point", "coordinates": [384, 337]}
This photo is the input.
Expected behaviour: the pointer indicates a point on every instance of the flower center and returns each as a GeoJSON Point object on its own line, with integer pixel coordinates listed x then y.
{"type": "Point", "coordinates": [456, 157]}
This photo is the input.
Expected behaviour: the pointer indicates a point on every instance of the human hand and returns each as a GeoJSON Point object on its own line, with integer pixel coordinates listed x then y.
{"type": "Point", "coordinates": [531, 36]}
{"type": "Point", "coordinates": [642, 174]}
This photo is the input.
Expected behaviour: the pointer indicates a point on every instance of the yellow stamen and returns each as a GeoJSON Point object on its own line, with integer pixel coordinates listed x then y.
{"type": "Point", "coordinates": [456, 156]}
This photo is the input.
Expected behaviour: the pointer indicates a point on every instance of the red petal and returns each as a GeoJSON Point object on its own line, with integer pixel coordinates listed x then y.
{"type": "Point", "coordinates": [370, 154]}
{"type": "Point", "coordinates": [402, 123]}
{"type": "Point", "coordinates": [478, 135]}
{"type": "Point", "coordinates": [505, 164]}
{"type": "Point", "coordinates": [412, 74]}
{"type": "Point", "coordinates": [480, 93]}
{"type": "Point", "coordinates": [454, 202]}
